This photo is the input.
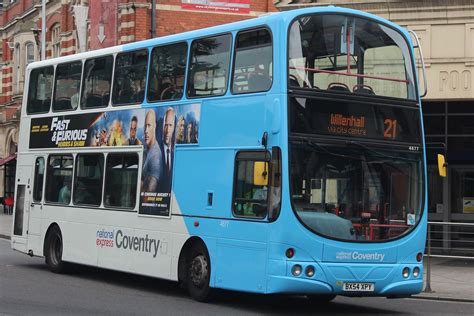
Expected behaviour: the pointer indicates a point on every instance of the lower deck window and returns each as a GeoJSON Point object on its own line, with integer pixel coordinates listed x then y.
{"type": "Point", "coordinates": [88, 179]}
{"type": "Point", "coordinates": [251, 184]}
{"type": "Point", "coordinates": [121, 177]}
{"type": "Point", "coordinates": [59, 179]}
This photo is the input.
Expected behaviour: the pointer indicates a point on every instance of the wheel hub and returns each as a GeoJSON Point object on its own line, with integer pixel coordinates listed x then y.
{"type": "Point", "coordinates": [199, 270]}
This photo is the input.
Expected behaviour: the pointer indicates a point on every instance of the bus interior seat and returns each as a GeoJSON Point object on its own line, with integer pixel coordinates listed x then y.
{"type": "Point", "coordinates": [125, 96]}
{"type": "Point", "coordinates": [139, 96]}
{"type": "Point", "coordinates": [338, 86]}
{"type": "Point", "coordinates": [93, 100]}
{"type": "Point", "coordinates": [105, 99]}
{"type": "Point", "coordinates": [293, 81]}
{"type": "Point", "coordinates": [363, 89]}
{"type": "Point", "coordinates": [62, 104]}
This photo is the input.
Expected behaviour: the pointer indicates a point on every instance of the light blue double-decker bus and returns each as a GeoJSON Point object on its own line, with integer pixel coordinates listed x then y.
{"type": "Point", "coordinates": [282, 154]}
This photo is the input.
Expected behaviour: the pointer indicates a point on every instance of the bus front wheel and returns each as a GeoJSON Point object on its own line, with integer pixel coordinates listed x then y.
{"type": "Point", "coordinates": [54, 250]}
{"type": "Point", "coordinates": [199, 273]}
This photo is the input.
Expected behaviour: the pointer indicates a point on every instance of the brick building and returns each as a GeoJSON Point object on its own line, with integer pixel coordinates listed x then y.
{"type": "Point", "coordinates": [74, 26]}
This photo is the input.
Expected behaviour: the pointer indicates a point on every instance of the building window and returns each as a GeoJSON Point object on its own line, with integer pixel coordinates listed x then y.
{"type": "Point", "coordinates": [56, 40]}
{"type": "Point", "coordinates": [30, 53]}
{"type": "Point", "coordinates": [17, 65]}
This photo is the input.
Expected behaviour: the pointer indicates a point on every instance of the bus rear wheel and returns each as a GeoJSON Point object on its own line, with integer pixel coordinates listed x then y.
{"type": "Point", "coordinates": [198, 271]}
{"type": "Point", "coordinates": [54, 250]}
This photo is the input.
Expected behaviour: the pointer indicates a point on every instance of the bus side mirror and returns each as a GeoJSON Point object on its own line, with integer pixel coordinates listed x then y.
{"type": "Point", "coordinates": [442, 165]}
{"type": "Point", "coordinates": [260, 173]}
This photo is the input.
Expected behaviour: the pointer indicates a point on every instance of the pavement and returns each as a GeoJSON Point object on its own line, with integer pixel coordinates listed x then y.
{"type": "Point", "coordinates": [451, 279]}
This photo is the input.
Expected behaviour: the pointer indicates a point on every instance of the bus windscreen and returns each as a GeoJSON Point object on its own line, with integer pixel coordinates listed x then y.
{"type": "Point", "coordinates": [350, 55]}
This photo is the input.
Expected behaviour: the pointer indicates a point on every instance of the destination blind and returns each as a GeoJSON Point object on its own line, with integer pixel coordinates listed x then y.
{"type": "Point", "coordinates": [355, 120]}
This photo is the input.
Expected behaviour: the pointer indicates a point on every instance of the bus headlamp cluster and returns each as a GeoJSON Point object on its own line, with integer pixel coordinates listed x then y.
{"type": "Point", "coordinates": [406, 272]}
{"type": "Point", "coordinates": [297, 270]}
{"type": "Point", "coordinates": [416, 272]}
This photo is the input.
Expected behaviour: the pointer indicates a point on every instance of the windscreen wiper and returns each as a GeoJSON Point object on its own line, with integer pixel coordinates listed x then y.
{"type": "Point", "coordinates": [377, 153]}
{"type": "Point", "coordinates": [317, 146]}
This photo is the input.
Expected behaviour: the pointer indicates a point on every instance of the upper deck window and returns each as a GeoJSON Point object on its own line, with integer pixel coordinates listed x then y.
{"type": "Point", "coordinates": [209, 66]}
{"type": "Point", "coordinates": [130, 78]}
{"type": "Point", "coordinates": [167, 73]}
{"type": "Point", "coordinates": [39, 90]}
{"type": "Point", "coordinates": [349, 55]}
{"type": "Point", "coordinates": [96, 82]}
{"type": "Point", "coordinates": [253, 62]}
{"type": "Point", "coordinates": [66, 87]}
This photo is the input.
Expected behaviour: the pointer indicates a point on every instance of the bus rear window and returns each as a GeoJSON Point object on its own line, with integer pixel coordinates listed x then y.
{"type": "Point", "coordinates": [209, 66]}
{"type": "Point", "coordinates": [39, 90]}
{"type": "Point", "coordinates": [96, 82]}
{"type": "Point", "coordinates": [130, 77]}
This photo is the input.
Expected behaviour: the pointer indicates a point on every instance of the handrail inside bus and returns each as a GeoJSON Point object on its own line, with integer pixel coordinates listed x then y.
{"type": "Point", "coordinates": [348, 74]}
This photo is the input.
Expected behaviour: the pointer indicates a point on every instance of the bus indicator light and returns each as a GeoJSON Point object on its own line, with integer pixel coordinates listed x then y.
{"type": "Point", "coordinates": [419, 257]}
{"type": "Point", "coordinates": [196, 224]}
{"type": "Point", "coordinates": [290, 252]}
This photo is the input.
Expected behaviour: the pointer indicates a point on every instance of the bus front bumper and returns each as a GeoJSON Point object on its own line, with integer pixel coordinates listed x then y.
{"type": "Point", "coordinates": [330, 278]}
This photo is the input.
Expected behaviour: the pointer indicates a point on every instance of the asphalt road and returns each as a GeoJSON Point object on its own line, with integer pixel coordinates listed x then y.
{"type": "Point", "coordinates": [27, 287]}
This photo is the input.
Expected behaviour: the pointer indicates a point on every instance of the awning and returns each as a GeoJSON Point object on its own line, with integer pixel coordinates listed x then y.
{"type": "Point", "coordinates": [7, 159]}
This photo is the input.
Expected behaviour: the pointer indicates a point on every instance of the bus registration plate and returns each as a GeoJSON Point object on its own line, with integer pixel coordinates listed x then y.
{"type": "Point", "coordinates": [358, 287]}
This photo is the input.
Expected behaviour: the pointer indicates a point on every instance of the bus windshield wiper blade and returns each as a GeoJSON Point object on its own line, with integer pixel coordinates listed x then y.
{"type": "Point", "coordinates": [321, 148]}
{"type": "Point", "coordinates": [377, 153]}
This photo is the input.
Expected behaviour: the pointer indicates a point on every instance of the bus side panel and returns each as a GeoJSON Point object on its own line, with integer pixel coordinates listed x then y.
{"type": "Point", "coordinates": [200, 173]}
{"type": "Point", "coordinates": [76, 231]}
{"type": "Point", "coordinates": [239, 258]}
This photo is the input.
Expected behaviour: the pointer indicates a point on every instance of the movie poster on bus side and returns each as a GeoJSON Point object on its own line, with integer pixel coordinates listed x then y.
{"type": "Point", "coordinates": [157, 129]}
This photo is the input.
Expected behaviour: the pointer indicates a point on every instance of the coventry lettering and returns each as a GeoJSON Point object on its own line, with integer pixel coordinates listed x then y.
{"type": "Point", "coordinates": [368, 256]}
{"type": "Point", "coordinates": [143, 244]}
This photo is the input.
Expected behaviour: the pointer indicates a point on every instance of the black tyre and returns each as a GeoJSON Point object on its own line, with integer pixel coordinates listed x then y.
{"type": "Point", "coordinates": [321, 299]}
{"type": "Point", "coordinates": [198, 273]}
{"type": "Point", "coordinates": [54, 250]}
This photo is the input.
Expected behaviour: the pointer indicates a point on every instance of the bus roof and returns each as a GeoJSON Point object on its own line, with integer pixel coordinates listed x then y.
{"type": "Point", "coordinates": [267, 19]}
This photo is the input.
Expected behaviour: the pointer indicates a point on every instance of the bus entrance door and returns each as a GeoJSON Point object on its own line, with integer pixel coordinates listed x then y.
{"type": "Point", "coordinates": [33, 177]}
{"type": "Point", "coordinates": [21, 208]}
